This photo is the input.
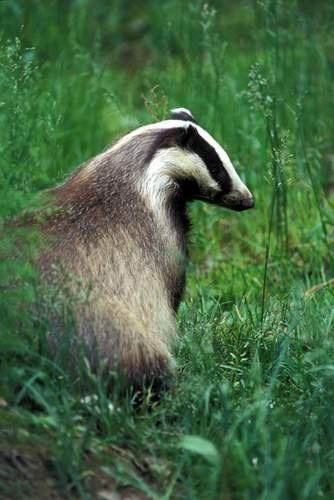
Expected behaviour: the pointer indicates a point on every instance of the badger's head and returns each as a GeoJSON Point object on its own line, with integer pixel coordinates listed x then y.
{"type": "Point", "coordinates": [186, 161]}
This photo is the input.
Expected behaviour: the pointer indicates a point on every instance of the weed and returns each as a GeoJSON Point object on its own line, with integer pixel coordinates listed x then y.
{"type": "Point", "coordinates": [250, 413]}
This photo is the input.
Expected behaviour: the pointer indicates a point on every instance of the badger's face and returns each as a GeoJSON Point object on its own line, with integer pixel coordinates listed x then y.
{"type": "Point", "coordinates": [188, 159]}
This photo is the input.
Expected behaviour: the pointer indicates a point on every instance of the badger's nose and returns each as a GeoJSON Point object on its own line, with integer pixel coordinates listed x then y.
{"type": "Point", "coordinates": [247, 203]}
{"type": "Point", "coordinates": [243, 204]}
{"type": "Point", "coordinates": [238, 201]}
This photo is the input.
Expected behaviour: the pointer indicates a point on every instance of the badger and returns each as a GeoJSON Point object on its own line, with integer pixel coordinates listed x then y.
{"type": "Point", "coordinates": [121, 225]}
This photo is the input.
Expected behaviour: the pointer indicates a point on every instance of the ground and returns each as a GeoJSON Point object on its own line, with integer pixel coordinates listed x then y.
{"type": "Point", "coordinates": [250, 412]}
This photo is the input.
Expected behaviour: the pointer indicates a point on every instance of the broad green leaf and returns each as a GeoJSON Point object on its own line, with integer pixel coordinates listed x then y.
{"type": "Point", "coordinates": [201, 446]}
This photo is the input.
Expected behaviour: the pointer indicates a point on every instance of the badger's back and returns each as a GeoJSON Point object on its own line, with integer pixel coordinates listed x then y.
{"type": "Point", "coordinates": [102, 231]}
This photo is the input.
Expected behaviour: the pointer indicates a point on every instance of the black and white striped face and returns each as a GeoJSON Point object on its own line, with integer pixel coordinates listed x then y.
{"type": "Point", "coordinates": [217, 181]}
{"type": "Point", "coordinates": [177, 158]}
{"type": "Point", "coordinates": [187, 158]}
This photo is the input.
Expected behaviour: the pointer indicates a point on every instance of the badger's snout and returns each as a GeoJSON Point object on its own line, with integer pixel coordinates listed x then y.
{"type": "Point", "coordinates": [244, 204]}
{"type": "Point", "coordinates": [236, 200]}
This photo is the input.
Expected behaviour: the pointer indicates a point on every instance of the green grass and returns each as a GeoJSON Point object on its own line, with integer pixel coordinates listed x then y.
{"type": "Point", "coordinates": [250, 414]}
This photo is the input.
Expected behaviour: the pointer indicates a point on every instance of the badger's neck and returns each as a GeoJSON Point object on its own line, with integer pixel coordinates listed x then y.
{"type": "Point", "coordinates": [160, 189]}
{"type": "Point", "coordinates": [165, 200]}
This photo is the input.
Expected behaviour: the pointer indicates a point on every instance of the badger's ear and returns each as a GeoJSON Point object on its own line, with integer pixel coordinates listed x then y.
{"type": "Point", "coordinates": [182, 114]}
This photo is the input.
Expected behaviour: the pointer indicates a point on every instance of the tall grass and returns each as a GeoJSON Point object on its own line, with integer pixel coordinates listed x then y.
{"type": "Point", "coordinates": [249, 415]}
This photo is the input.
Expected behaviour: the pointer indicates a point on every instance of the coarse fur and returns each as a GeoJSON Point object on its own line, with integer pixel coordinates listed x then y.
{"type": "Point", "coordinates": [120, 224]}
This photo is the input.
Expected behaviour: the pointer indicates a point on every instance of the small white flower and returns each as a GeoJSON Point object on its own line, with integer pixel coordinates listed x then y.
{"type": "Point", "coordinates": [93, 400]}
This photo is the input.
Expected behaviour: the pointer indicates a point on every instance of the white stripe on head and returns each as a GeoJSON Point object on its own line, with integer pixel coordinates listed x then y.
{"type": "Point", "coordinates": [165, 124]}
{"type": "Point", "coordinates": [183, 111]}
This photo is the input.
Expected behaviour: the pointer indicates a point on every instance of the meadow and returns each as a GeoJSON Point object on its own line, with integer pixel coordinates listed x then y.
{"type": "Point", "coordinates": [250, 415]}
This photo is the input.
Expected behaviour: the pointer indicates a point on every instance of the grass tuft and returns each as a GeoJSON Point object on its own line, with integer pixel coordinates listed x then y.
{"type": "Point", "coordinates": [250, 412]}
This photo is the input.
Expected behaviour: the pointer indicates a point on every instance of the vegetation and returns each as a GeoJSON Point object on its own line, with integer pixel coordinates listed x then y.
{"type": "Point", "coordinates": [250, 414]}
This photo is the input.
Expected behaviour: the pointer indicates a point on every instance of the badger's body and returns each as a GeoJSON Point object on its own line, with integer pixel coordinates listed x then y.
{"type": "Point", "coordinates": [120, 224]}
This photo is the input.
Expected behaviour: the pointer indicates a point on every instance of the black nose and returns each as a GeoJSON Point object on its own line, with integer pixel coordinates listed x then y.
{"type": "Point", "coordinates": [244, 204]}
{"type": "Point", "coordinates": [248, 203]}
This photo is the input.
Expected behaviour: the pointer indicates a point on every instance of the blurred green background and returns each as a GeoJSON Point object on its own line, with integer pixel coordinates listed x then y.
{"type": "Point", "coordinates": [250, 414]}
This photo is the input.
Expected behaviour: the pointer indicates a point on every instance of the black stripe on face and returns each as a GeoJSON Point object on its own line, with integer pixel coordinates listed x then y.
{"type": "Point", "coordinates": [167, 138]}
{"type": "Point", "coordinates": [208, 154]}
{"type": "Point", "coordinates": [189, 138]}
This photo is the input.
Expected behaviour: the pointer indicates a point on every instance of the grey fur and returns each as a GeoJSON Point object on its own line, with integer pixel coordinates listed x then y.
{"type": "Point", "coordinates": [106, 232]}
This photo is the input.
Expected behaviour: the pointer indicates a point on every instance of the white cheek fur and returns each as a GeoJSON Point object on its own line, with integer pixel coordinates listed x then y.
{"type": "Point", "coordinates": [170, 165]}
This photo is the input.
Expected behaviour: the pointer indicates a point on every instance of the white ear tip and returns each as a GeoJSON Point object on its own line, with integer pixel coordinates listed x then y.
{"type": "Point", "coordinates": [183, 111]}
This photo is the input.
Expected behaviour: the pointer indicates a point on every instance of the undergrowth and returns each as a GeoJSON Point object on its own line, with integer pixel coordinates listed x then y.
{"type": "Point", "coordinates": [250, 412]}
